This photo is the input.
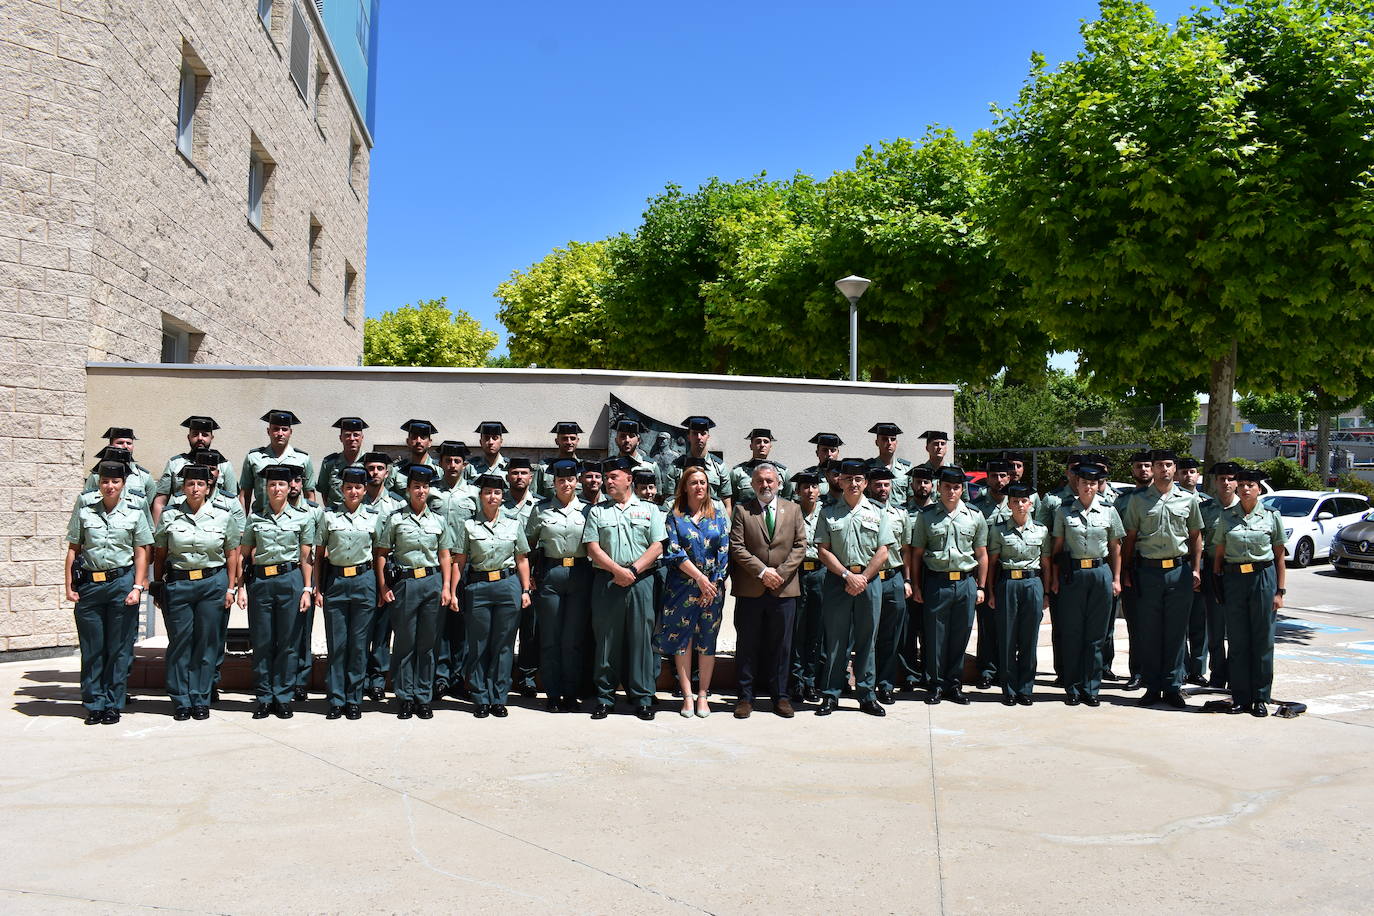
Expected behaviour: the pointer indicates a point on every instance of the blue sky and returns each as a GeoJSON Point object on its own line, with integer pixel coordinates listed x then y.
{"type": "Point", "coordinates": [505, 130]}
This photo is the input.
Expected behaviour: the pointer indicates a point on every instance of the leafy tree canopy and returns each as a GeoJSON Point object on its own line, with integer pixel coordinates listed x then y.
{"type": "Point", "coordinates": [426, 334]}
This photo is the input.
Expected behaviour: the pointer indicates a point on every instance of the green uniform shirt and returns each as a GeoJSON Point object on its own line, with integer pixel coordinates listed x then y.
{"type": "Point", "coordinates": [414, 540]}
{"type": "Point", "coordinates": [278, 538]}
{"type": "Point", "coordinates": [169, 484]}
{"type": "Point", "coordinates": [854, 535]}
{"type": "Point", "coordinates": [1212, 511]}
{"type": "Point", "coordinates": [491, 545]}
{"type": "Point", "coordinates": [901, 481]}
{"type": "Point", "coordinates": [1249, 538]}
{"type": "Point", "coordinates": [542, 484]}
{"type": "Point", "coordinates": [1019, 548]}
{"type": "Point", "coordinates": [261, 457]}
{"type": "Point", "coordinates": [742, 478]}
{"type": "Point", "coordinates": [197, 540]}
{"type": "Point", "coordinates": [479, 466]}
{"type": "Point", "coordinates": [950, 538]}
{"type": "Point", "coordinates": [330, 485]}
{"type": "Point", "coordinates": [1087, 531]}
{"type": "Point", "coordinates": [397, 480]}
{"type": "Point", "coordinates": [717, 477]}
{"type": "Point", "coordinates": [441, 493]}
{"type": "Point", "coordinates": [824, 483]}
{"type": "Point", "coordinates": [1044, 513]}
{"type": "Point", "coordinates": [384, 504]}
{"type": "Point", "coordinates": [521, 509]}
{"type": "Point", "coordinates": [219, 500]}
{"type": "Point", "coordinates": [108, 539]}
{"type": "Point", "coordinates": [138, 483]}
{"type": "Point", "coordinates": [348, 537]}
{"type": "Point", "coordinates": [1162, 521]}
{"type": "Point", "coordinates": [624, 531]}
{"type": "Point", "coordinates": [994, 512]}
{"type": "Point", "coordinates": [810, 522]}
{"type": "Point", "coordinates": [897, 521]}
{"type": "Point", "coordinates": [557, 529]}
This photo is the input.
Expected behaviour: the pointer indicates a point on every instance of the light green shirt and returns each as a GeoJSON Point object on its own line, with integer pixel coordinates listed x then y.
{"type": "Point", "coordinates": [950, 539]}
{"type": "Point", "coordinates": [624, 531]}
{"type": "Point", "coordinates": [994, 512]}
{"type": "Point", "coordinates": [810, 522]}
{"type": "Point", "coordinates": [1249, 538]}
{"type": "Point", "coordinates": [219, 500]}
{"type": "Point", "coordinates": [441, 494]}
{"type": "Point", "coordinates": [1212, 511]}
{"type": "Point", "coordinates": [250, 478]}
{"type": "Point", "coordinates": [523, 508]}
{"type": "Point", "coordinates": [169, 484]}
{"type": "Point", "coordinates": [897, 521]}
{"type": "Point", "coordinates": [742, 478]}
{"type": "Point", "coordinates": [1044, 512]}
{"type": "Point", "coordinates": [197, 540]}
{"type": "Point", "coordinates": [491, 545]}
{"type": "Point", "coordinates": [557, 529]}
{"type": "Point", "coordinates": [348, 537]}
{"type": "Point", "coordinates": [383, 505]}
{"type": "Point", "coordinates": [1086, 532]}
{"type": "Point", "coordinates": [1019, 548]}
{"type": "Point", "coordinates": [138, 488]}
{"type": "Point", "coordinates": [717, 478]}
{"type": "Point", "coordinates": [278, 538]}
{"type": "Point", "coordinates": [107, 539]}
{"type": "Point", "coordinates": [414, 540]}
{"type": "Point", "coordinates": [330, 484]}
{"type": "Point", "coordinates": [397, 481]}
{"type": "Point", "coordinates": [901, 479]}
{"type": "Point", "coordinates": [479, 466]}
{"type": "Point", "coordinates": [1163, 521]}
{"type": "Point", "coordinates": [542, 485]}
{"type": "Point", "coordinates": [854, 535]}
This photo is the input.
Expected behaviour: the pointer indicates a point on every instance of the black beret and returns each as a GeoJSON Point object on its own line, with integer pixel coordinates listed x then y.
{"type": "Point", "coordinates": [351, 424]}
{"type": "Point", "coordinates": [826, 440]}
{"type": "Point", "coordinates": [1188, 461]}
{"type": "Point", "coordinates": [935, 434]}
{"type": "Point", "coordinates": [491, 428]}
{"type": "Point", "coordinates": [201, 424]}
{"type": "Point", "coordinates": [1225, 467]}
{"type": "Point", "coordinates": [450, 448]}
{"type": "Point", "coordinates": [806, 479]}
{"type": "Point", "coordinates": [1253, 475]}
{"type": "Point", "coordinates": [618, 463]}
{"type": "Point", "coordinates": [759, 432]}
{"type": "Point", "coordinates": [922, 471]}
{"type": "Point", "coordinates": [699, 423]}
{"type": "Point", "coordinates": [280, 418]}
{"type": "Point", "coordinates": [518, 464]}
{"type": "Point", "coordinates": [853, 466]}
{"type": "Point", "coordinates": [491, 482]}
{"type": "Point", "coordinates": [951, 473]}
{"type": "Point", "coordinates": [566, 426]}
{"type": "Point", "coordinates": [277, 472]}
{"type": "Point", "coordinates": [195, 472]}
{"type": "Point", "coordinates": [644, 475]}
{"type": "Point", "coordinates": [421, 472]}
{"type": "Point", "coordinates": [1141, 457]}
{"type": "Point", "coordinates": [563, 467]}
{"type": "Point", "coordinates": [633, 427]}
{"type": "Point", "coordinates": [1163, 454]}
{"type": "Point", "coordinates": [880, 472]}
{"type": "Point", "coordinates": [353, 475]}
{"type": "Point", "coordinates": [1021, 490]}
{"type": "Point", "coordinates": [119, 432]}
{"type": "Point", "coordinates": [115, 469]}
{"type": "Point", "coordinates": [886, 429]}
{"type": "Point", "coordinates": [375, 458]}
{"type": "Point", "coordinates": [1091, 471]}
{"type": "Point", "coordinates": [692, 461]}
{"type": "Point", "coordinates": [419, 427]}
{"type": "Point", "coordinates": [998, 466]}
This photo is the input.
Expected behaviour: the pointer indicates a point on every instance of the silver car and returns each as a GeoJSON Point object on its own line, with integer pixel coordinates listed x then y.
{"type": "Point", "coordinates": [1352, 550]}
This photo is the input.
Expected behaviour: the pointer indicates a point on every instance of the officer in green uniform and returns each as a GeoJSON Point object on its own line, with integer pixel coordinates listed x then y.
{"type": "Point", "coordinates": [646, 489]}
{"type": "Point", "coordinates": [920, 493]}
{"type": "Point", "coordinates": [453, 499]}
{"type": "Point", "coordinates": [885, 438]}
{"type": "Point", "coordinates": [345, 538]}
{"type": "Point", "coordinates": [453, 484]}
{"type": "Point", "coordinates": [628, 435]}
{"type": "Point", "coordinates": [563, 586]}
{"type": "Point", "coordinates": [623, 537]}
{"type": "Point", "coordinates": [892, 586]}
{"type": "Point", "coordinates": [949, 565]}
{"type": "Point", "coordinates": [520, 502]}
{"type": "Point", "coordinates": [567, 436]}
{"type": "Point", "coordinates": [416, 544]}
{"type": "Point", "coordinates": [491, 435]}
{"type": "Point", "coordinates": [937, 449]}
{"type": "Point", "coordinates": [1188, 477]}
{"type": "Point", "coordinates": [1164, 533]}
{"type": "Point", "coordinates": [196, 563]}
{"type": "Point", "coordinates": [827, 450]}
{"type": "Point", "coordinates": [1087, 535]}
{"type": "Point", "coordinates": [279, 539]}
{"type": "Point", "coordinates": [698, 442]}
{"type": "Point", "coordinates": [1018, 462]}
{"type": "Point", "coordinates": [589, 483]}
{"type": "Point", "coordinates": [1129, 598]}
{"type": "Point", "coordinates": [304, 652]}
{"type": "Point", "coordinates": [994, 508]}
{"type": "Point", "coordinates": [853, 539]}
{"type": "Point", "coordinates": [1019, 561]}
{"type": "Point", "coordinates": [808, 646]}
{"type": "Point", "coordinates": [1249, 557]}
{"type": "Point", "coordinates": [1223, 475]}
{"type": "Point", "coordinates": [492, 547]}
{"type": "Point", "coordinates": [742, 475]}
{"type": "Point", "coordinates": [200, 434]}
{"type": "Point", "coordinates": [419, 436]}
{"type": "Point", "coordinates": [380, 503]}
{"type": "Point", "coordinates": [328, 486]}
{"type": "Point", "coordinates": [140, 482]}
{"type": "Point", "coordinates": [252, 489]}
{"type": "Point", "coordinates": [110, 539]}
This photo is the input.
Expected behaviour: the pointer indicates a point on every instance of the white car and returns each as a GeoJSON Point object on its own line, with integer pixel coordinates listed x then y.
{"type": "Point", "coordinates": [1311, 519]}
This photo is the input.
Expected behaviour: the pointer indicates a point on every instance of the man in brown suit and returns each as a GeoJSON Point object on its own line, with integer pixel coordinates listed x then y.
{"type": "Point", "coordinates": [767, 544]}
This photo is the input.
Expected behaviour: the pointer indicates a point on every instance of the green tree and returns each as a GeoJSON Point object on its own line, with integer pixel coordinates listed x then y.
{"type": "Point", "coordinates": [426, 334]}
{"type": "Point", "coordinates": [1177, 189]}
{"type": "Point", "coordinates": [553, 311]}
{"type": "Point", "coordinates": [998, 415]}
{"type": "Point", "coordinates": [1278, 411]}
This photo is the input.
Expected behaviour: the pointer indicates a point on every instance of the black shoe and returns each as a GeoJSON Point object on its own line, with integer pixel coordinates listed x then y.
{"type": "Point", "coordinates": [214, 694]}
{"type": "Point", "coordinates": [886, 696]}
{"type": "Point", "coordinates": [985, 683]}
{"type": "Point", "coordinates": [1236, 708]}
{"type": "Point", "coordinates": [283, 711]}
{"type": "Point", "coordinates": [1259, 709]}
{"type": "Point", "coordinates": [1196, 680]}
{"type": "Point", "coordinates": [1059, 682]}
{"type": "Point", "coordinates": [1090, 700]}
{"type": "Point", "coordinates": [526, 690]}
{"type": "Point", "coordinates": [110, 717]}
{"type": "Point", "coordinates": [353, 712]}
{"type": "Point", "coordinates": [1132, 683]}
{"type": "Point", "coordinates": [262, 711]}
{"type": "Point", "coordinates": [955, 695]}
{"type": "Point", "coordinates": [459, 691]}
{"type": "Point", "coordinates": [872, 707]}
{"type": "Point", "coordinates": [645, 712]}
{"type": "Point", "coordinates": [811, 695]}
{"type": "Point", "coordinates": [933, 698]}
{"type": "Point", "coordinates": [1072, 699]}
{"type": "Point", "coordinates": [335, 712]}
{"type": "Point", "coordinates": [200, 713]}
{"type": "Point", "coordinates": [1108, 675]}
{"type": "Point", "coordinates": [1149, 698]}
{"type": "Point", "coordinates": [376, 695]}
{"type": "Point", "coordinates": [481, 711]}
{"type": "Point", "coordinates": [440, 688]}
{"type": "Point", "coordinates": [1024, 700]}
{"type": "Point", "coordinates": [1175, 699]}
{"type": "Point", "coordinates": [181, 714]}
{"type": "Point", "coordinates": [301, 695]}
{"type": "Point", "coordinates": [568, 704]}
{"type": "Point", "coordinates": [828, 704]}
{"type": "Point", "coordinates": [405, 709]}
{"type": "Point", "coordinates": [499, 710]}
{"type": "Point", "coordinates": [846, 691]}
{"type": "Point", "coordinates": [1008, 699]}
{"type": "Point", "coordinates": [602, 710]}
{"type": "Point", "coordinates": [96, 717]}
{"type": "Point", "coordinates": [424, 711]}
{"type": "Point", "coordinates": [552, 704]}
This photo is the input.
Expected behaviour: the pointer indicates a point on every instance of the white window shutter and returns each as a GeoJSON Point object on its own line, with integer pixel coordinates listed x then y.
{"type": "Point", "coordinates": [300, 51]}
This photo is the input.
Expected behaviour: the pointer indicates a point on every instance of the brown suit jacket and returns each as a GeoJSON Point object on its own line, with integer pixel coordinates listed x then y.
{"type": "Point", "coordinates": [752, 551]}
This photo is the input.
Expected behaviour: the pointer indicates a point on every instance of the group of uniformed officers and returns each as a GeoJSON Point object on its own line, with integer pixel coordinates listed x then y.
{"type": "Point", "coordinates": [482, 575]}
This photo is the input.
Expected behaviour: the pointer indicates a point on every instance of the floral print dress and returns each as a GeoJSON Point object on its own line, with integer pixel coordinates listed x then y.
{"type": "Point", "coordinates": [686, 617]}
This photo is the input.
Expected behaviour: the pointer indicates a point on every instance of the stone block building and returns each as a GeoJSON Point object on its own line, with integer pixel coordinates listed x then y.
{"type": "Point", "coordinates": [180, 181]}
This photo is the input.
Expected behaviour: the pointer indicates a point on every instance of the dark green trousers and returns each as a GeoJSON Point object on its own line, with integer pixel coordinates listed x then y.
{"type": "Point", "coordinates": [379, 648]}
{"type": "Point", "coordinates": [987, 658]}
{"type": "Point", "coordinates": [563, 604]}
{"type": "Point", "coordinates": [1163, 606]}
{"type": "Point", "coordinates": [304, 655]}
{"type": "Point", "coordinates": [1195, 651]}
{"type": "Point", "coordinates": [415, 625]}
{"type": "Point", "coordinates": [194, 619]}
{"type": "Point", "coordinates": [105, 630]}
{"type": "Point", "coordinates": [949, 621]}
{"type": "Point", "coordinates": [274, 625]}
{"type": "Point", "coordinates": [450, 644]}
{"type": "Point", "coordinates": [527, 659]}
{"type": "Point", "coordinates": [1250, 627]}
{"type": "Point", "coordinates": [622, 639]}
{"type": "Point", "coordinates": [808, 646]}
{"type": "Point", "coordinates": [1216, 630]}
{"type": "Point", "coordinates": [1020, 608]}
{"type": "Point", "coordinates": [1080, 627]}
{"type": "Point", "coordinates": [350, 612]}
{"type": "Point", "coordinates": [850, 625]}
{"type": "Point", "coordinates": [891, 631]}
{"type": "Point", "coordinates": [492, 613]}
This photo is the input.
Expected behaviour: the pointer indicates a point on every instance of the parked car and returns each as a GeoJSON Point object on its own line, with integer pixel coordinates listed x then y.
{"type": "Point", "coordinates": [1353, 549]}
{"type": "Point", "coordinates": [1311, 519]}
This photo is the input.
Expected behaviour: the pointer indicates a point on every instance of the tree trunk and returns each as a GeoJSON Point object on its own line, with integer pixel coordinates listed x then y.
{"type": "Point", "coordinates": [1323, 446]}
{"type": "Point", "coordinates": [1219, 396]}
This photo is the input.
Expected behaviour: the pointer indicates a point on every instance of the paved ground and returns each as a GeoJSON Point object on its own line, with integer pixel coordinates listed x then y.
{"type": "Point", "coordinates": [931, 810]}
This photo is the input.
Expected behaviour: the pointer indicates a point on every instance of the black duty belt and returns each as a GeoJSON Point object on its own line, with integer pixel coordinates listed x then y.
{"type": "Point", "coordinates": [1020, 573]}
{"type": "Point", "coordinates": [109, 575]}
{"type": "Point", "coordinates": [348, 572]}
{"type": "Point", "coordinates": [1167, 563]}
{"type": "Point", "coordinates": [192, 575]}
{"type": "Point", "coordinates": [952, 575]}
{"type": "Point", "coordinates": [492, 575]}
{"type": "Point", "coordinates": [810, 565]}
{"type": "Point", "coordinates": [1246, 569]}
{"type": "Point", "coordinates": [1084, 563]}
{"type": "Point", "coordinates": [417, 572]}
{"type": "Point", "coordinates": [886, 574]}
{"type": "Point", "coordinates": [566, 561]}
{"type": "Point", "coordinates": [272, 570]}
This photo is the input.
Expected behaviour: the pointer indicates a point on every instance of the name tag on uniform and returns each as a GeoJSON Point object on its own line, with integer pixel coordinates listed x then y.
{"type": "Point", "coordinates": [195, 574]}
{"type": "Point", "coordinates": [421, 572]}
{"type": "Point", "coordinates": [1247, 567]}
{"type": "Point", "coordinates": [1167, 564]}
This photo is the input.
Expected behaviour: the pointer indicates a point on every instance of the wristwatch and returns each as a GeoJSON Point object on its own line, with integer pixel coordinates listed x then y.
{"type": "Point", "coordinates": [1283, 591]}
{"type": "Point", "coordinates": [141, 588]}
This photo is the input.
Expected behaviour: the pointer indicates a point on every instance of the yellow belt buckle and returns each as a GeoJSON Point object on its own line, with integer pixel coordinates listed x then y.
{"type": "Point", "coordinates": [567, 561]}
{"type": "Point", "coordinates": [810, 565]}
{"type": "Point", "coordinates": [1085, 564]}
{"type": "Point", "coordinates": [98, 577]}
{"type": "Point", "coordinates": [420, 572]}
{"type": "Point", "coordinates": [955, 576]}
{"type": "Point", "coordinates": [494, 575]}
{"type": "Point", "coordinates": [195, 574]}
{"type": "Point", "coordinates": [269, 570]}
{"type": "Point", "coordinates": [1016, 574]}
{"type": "Point", "coordinates": [348, 572]}
{"type": "Point", "coordinates": [1166, 564]}
{"type": "Point", "coordinates": [1247, 567]}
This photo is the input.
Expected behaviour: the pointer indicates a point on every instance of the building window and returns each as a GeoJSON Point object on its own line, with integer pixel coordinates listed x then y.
{"type": "Point", "coordinates": [179, 340]}
{"type": "Point", "coordinates": [356, 173]}
{"type": "Point", "coordinates": [265, 13]}
{"type": "Point", "coordinates": [261, 185]}
{"type": "Point", "coordinates": [192, 104]}
{"type": "Point", "coordinates": [321, 79]}
{"type": "Point", "coordinates": [316, 256]}
{"type": "Point", "coordinates": [364, 26]}
{"type": "Point", "coordinates": [350, 293]}
{"type": "Point", "coordinates": [300, 52]}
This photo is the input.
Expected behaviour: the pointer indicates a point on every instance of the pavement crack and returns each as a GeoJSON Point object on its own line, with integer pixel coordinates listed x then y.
{"type": "Point", "coordinates": [104, 900]}
{"type": "Point", "coordinates": [935, 810]}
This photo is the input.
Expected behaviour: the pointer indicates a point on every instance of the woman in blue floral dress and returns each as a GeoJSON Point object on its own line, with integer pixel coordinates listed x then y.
{"type": "Point", "coordinates": [698, 560]}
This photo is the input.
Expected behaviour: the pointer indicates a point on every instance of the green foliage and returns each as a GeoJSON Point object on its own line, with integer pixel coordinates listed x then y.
{"type": "Point", "coordinates": [1278, 411]}
{"type": "Point", "coordinates": [1012, 417]}
{"type": "Point", "coordinates": [1352, 484]}
{"type": "Point", "coordinates": [427, 334]}
{"type": "Point", "coordinates": [1284, 473]}
{"type": "Point", "coordinates": [553, 312]}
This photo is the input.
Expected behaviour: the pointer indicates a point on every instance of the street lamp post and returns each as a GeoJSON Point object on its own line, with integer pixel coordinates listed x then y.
{"type": "Point", "coordinates": [852, 287]}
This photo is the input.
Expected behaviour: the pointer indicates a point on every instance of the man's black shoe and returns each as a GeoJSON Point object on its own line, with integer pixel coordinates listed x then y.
{"type": "Point", "coordinates": [886, 696]}
{"type": "Point", "coordinates": [1090, 700]}
{"type": "Point", "coordinates": [1149, 698]}
{"type": "Point", "coordinates": [405, 709]}
{"type": "Point", "coordinates": [424, 711]}
{"type": "Point", "coordinates": [828, 704]}
{"type": "Point", "coordinates": [353, 712]}
{"type": "Point", "coordinates": [872, 708]}
{"type": "Point", "coordinates": [200, 713]}
{"type": "Point", "coordinates": [955, 695]}
{"type": "Point", "coordinates": [1024, 700]}
{"type": "Point", "coordinates": [335, 712]}
{"type": "Point", "coordinates": [262, 711]}
{"type": "Point", "coordinates": [499, 710]}
{"type": "Point", "coordinates": [985, 683]}
{"type": "Point", "coordinates": [1132, 683]}
{"type": "Point", "coordinates": [481, 711]}
{"type": "Point", "coordinates": [1072, 699]}
{"type": "Point", "coordinates": [645, 712]}
{"type": "Point", "coordinates": [1175, 699]}
{"type": "Point", "coordinates": [1259, 709]}
{"type": "Point", "coordinates": [181, 714]}
{"type": "Point", "coordinates": [602, 711]}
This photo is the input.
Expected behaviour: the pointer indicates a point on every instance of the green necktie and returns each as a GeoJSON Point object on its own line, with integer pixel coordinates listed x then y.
{"type": "Point", "coordinates": [769, 517]}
